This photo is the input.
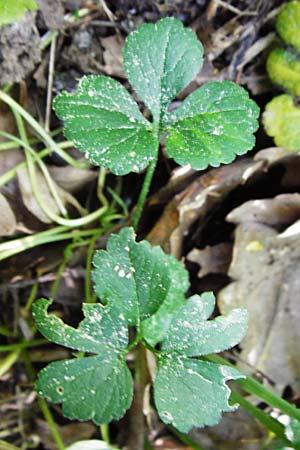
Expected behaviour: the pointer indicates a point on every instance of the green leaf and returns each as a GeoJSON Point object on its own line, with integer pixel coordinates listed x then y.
{"type": "Point", "coordinates": [135, 281]}
{"type": "Point", "coordinates": [191, 334]}
{"type": "Point", "coordinates": [284, 69]}
{"type": "Point", "coordinates": [212, 125]}
{"type": "Point", "coordinates": [155, 328]}
{"type": "Point", "coordinates": [13, 10]}
{"type": "Point", "coordinates": [104, 121]}
{"type": "Point", "coordinates": [191, 392]}
{"type": "Point", "coordinates": [103, 330]}
{"type": "Point", "coordinates": [133, 276]}
{"type": "Point", "coordinates": [160, 60]}
{"type": "Point", "coordinates": [281, 120]}
{"type": "Point", "coordinates": [95, 387]}
{"type": "Point", "coordinates": [292, 432]}
{"type": "Point", "coordinates": [288, 24]}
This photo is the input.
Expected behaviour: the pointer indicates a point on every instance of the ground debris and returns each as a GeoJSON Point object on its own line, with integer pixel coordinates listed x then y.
{"type": "Point", "coordinates": [20, 49]}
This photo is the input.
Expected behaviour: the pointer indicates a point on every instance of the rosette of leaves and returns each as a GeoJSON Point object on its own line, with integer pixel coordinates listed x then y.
{"type": "Point", "coordinates": [134, 283]}
{"type": "Point", "coordinates": [211, 126]}
{"type": "Point", "coordinates": [282, 115]}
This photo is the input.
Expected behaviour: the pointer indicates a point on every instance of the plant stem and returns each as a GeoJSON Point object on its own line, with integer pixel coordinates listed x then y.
{"type": "Point", "coordinates": [9, 361]}
{"type": "Point", "coordinates": [271, 424]}
{"type": "Point", "coordinates": [44, 136]}
{"type": "Point", "coordinates": [105, 433]}
{"type": "Point", "coordinates": [11, 173]}
{"type": "Point", "coordinates": [250, 385]}
{"type": "Point", "coordinates": [43, 406]}
{"type": "Point", "coordinates": [186, 439]}
{"type": "Point", "coordinates": [136, 433]}
{"type": "Point", "coordinates": [24, 344]}
{"type": "Point", "coordinates": [51, 423]}
{"type": "Point", "coordinates": [10, 248]}
{"type": "Point", "coordinates": [6, 446]}
{"type": "Point", "coordinates": [144, 193]}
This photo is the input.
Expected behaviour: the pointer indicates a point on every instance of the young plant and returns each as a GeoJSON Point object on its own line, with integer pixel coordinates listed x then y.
{"type": "Point", "coordinates": [211, 126]}
{"type": "Point", "coordinates": [139, 287]}
{"type": "Point", "coordinates": [282, 114]}
{"type": "Point", "coordinates": [133, 282]}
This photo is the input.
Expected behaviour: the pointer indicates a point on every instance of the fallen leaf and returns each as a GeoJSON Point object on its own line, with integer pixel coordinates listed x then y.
{"type": "Point", "coordinates": [112, 55]}
{"type": "Point", "coordinates": [71, 179]}
{"type": "Point", "coordinates": [212, 259]}
{"type": "Point", "coordinates": [279, 211]}
{"type": "Point", "coordinates": [237, 430]}
{"type": "Point", "coordinates": [71, 432]}
{"type": "Point", "coordinates": [7, 219]}
{"type": "Point", "coordinates": [265, 267]}
{"type": "Point", "coordinates": [199, 199]}
{"type": "Point", "coordinates": [31, 202]}
{"type": "Point", "coordinates": [52, 13]}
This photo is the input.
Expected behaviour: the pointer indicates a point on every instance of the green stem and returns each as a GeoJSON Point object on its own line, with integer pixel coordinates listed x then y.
{"type": "Point", "coordinates": [31, 155]}
{"type": "Point", "coordinates": [253, 387]}
{"type": "Point", "coordinates": [43, 406]}
{"type": "Point", "coordinates": [185, 439]}
{"type": "Point", "coordinates": [271, 424]}
{"type": "Point", "coordinates": [143, 193]}
{"type": "Point", "coordinates": [44, 136]}
{"type": "Point", "coordinates": [9, 361]}
{"type": "Point", "coordinates": [24, 344]}
{"type": "Point", "coordinates": [35, 188]}
{"type": "Point", "coordinates": [32, 297]}
{"type": "Point", "coordinates": [6, 446]}
{"type": "Point", "coordinates": [51, 423]}
{"type": "Point", "coordinates": [10, 248]}
{"type": "Point", "coordinates": [11, 173]}
{"type": "Point", "coordinates": [105, 433]}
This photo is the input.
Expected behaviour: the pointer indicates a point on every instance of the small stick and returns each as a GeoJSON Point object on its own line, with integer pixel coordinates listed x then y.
{"type": "Point", "coordinates": [50, 82]}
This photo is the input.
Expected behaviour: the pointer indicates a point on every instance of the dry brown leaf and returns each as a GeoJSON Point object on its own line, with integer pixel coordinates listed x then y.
{"type": "Point", "coordinates": [112, 55]}
{"type": "Point", "coordinates": [71, 179]}
{"type": "Point", "coordinates": [237, 430]}
{"type": "Point", "coordinates": [203, 195]}
{"type": "Point", "coordinates": [279, 211]}
{"type": "Point", "coordinates": [52, 13]}
{"type": "Point", "coordinates": [265, 267]}
{"type": "Point", "coordinates": [31, 202]}
{"type": "Point", "coordinates": [212, 259]}
{"type": "Point", "coordinates": [7, 218]}
{"type": "Point", "coordinates": [70, 433]}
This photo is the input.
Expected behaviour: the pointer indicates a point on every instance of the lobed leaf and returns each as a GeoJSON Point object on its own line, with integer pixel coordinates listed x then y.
{"type": "Point", "coordinates": [160, 60]}
{"type": "Point", "coordinates": [90, 388]}
{"type": "Point", "coordinates": [132, 276]}
{"type": "Point", "coordinates": [281, 120]}
{"type": "Point", "coordinates": [288, 24]}
{"type": "Point", "coordinates": [212, 125]}
{"type": "Point", "coordinates": [190, 333]}
{"type": "Point", "coordinates": [104, 121]}
{"type": "Point", "coordinates": [189, 392]}
{"type": "Point", "coordinates": [96, 387]}
{"type": "Point", "coordinates": [103, 329]}
{"type": "Point", "coordinates": [155, 327]}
